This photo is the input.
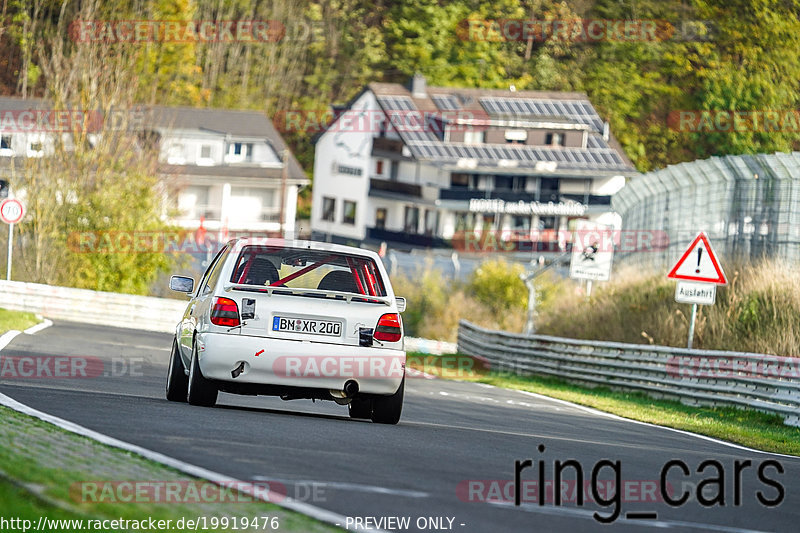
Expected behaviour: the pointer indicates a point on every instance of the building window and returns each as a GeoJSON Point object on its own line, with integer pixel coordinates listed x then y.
{"type": "Point", "coordinates": [394, 170]}
{"type": "Point", "coordinates": [546, 223]}
{"type": "Point", "coordinates": [175, 154]}
{"type": "Point", "coordinates": [349, 215]}
{"type": "Point", "coordinates": [516, 136]}
{"type": "Point", "coordinates": [504, 183]}
{"type": "Point", "coordinates": [241, 151]}
{"type": "Point", "coordinates": [411, 220]}
{"type": "Point", "coordinates": [35, 146]}
{"type": "Point", "coordinates": [464, 221]}
{"type": "Point", "coordinates": [5, 142]}
{"type": "Point", "coordinates": [555, 139]}
{"type": "Point", "coordinates": [380, 218]}
{"type": "Point", "coordinates": [458, 179]}
{"type": "Point", "coordinates": [474, 137]}
{"type": "Point", "coordinates": [521, 223]}
{"type": "Point", "coordinates": [205, 151]}
{"type": "Point", "coordinates": [328, 208]}
{"type": "Point", "coordinates": [193, 203]}
{"type": "Point", "coordinates": [548, 189]}
{"type": "Point", "coordinates": [431, 222]}
{"type": "Point", "coordinates": [253, 204]}
{"type": "Point", "coordinates": [379, 167]}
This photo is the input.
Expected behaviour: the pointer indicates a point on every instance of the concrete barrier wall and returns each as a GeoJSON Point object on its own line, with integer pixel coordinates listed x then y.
{"type": "Point", "coordinates": [93, 307]}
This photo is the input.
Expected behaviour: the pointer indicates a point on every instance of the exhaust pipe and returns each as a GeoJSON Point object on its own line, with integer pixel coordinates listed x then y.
{"type": "Point", "coordinates": [351, 388]}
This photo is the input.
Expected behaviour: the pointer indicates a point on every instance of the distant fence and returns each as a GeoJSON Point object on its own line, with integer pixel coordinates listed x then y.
{"type": "Point", "coordinates": [93, 307]}
{"type": "Point", "coordinates": [695, 377]}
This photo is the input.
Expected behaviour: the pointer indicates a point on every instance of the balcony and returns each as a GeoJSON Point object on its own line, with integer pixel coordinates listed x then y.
{"type": "Point", "coordinates": [517, 196]}
{"type": "Point", "coordinates": [388, 148]}
{"type": "Point", "coordinates": [410, 239]}
{"type": "Point", "coordinates": [394, 187]}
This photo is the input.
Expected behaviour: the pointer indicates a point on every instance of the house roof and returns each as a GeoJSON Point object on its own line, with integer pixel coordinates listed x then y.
{"type": "Point", "coordinates": [483, 105]}
{"type": "Point", "coordinates": [236, 123]}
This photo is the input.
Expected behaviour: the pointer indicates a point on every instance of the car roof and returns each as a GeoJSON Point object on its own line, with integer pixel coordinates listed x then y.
{"type": "Point", "coordinates": [239, 244]}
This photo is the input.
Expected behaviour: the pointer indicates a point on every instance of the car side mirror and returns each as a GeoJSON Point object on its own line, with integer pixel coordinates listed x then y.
{"type": "Point", "coordinates": [183, 284]}
{"type": "Point", "coordinates": [401, 304]}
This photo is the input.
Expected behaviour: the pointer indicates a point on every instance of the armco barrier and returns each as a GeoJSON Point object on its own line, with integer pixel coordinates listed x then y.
{"type": "Point", "coordinates": [93, 307]}
{"type": "Point", "coordinates": [695, 377]}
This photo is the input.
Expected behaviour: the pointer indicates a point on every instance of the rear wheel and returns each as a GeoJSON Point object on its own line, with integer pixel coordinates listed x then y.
{"type": "Point", "coordinates": [201, 391]}
{"type": "Point", "coordinates": [387, 409]}
{"type": "Point", "coordinates": [360, 408]}
{"type": "Point", "coordinates": [177, 380]}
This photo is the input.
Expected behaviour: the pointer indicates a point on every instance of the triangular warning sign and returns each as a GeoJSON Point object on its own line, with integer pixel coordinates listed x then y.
{"type": "Point", "coordinates": [699, 263]}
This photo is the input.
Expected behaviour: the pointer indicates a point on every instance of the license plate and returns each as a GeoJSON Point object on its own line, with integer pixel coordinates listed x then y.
{"type": "Point", "coordinates": [307, 326]}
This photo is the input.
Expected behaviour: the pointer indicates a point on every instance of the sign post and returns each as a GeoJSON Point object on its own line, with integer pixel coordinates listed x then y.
{"type": "Point", "coordinates": [11, 212]}
{"type": "Point", "coordinates": [592, 253]}
{"type": "Point", "coordinates": [698, 273]}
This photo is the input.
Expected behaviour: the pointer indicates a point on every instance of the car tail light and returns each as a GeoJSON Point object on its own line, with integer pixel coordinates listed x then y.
{"type": "Point", "coordinates": [389, 328]}
{"type": "Point", "coordinates": [225, 312]}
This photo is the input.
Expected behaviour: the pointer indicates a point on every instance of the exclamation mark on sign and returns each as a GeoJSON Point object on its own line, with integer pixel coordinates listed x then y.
{"type": "Point", "coordinates": [699, 255]}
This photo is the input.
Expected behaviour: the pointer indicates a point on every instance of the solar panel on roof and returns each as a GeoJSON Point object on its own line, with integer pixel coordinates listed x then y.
{"type": "Point", "coordinates": [445, 102]}
{"type": "Point", "coordinates": [396, 103]}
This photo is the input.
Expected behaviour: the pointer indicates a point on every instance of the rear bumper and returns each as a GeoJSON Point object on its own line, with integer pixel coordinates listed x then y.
{"type": "Point", "coordinates": [269, 361]}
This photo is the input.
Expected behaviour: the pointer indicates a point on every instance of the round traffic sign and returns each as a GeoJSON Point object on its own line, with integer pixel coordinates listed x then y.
{"type": "Point", "coordinates": [11, 211]}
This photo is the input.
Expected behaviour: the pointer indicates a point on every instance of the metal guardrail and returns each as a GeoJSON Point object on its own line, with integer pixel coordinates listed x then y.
{"type": "Point", "coordinates": [695, 377]}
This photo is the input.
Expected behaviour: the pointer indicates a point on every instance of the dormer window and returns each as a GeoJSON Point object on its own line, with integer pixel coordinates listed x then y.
{"type": "Point", "coordinates": [474, 137]}
{"type": "Point", "coordinates": [238, 152]}
{"type": "Point", "coordinates": [205, 155]}
{"type": "Point", "coordinates": [175, 154]}
{"type": "Point", "coordinates": [555, 139]}
{"type": "Point", "coordinates": [516, 136]}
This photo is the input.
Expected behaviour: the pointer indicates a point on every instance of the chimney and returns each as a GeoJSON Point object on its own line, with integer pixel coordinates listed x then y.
{"type": "Point", "coordinates": [419, 86]}
{"type": "Point", "coordinates": [605, 131]}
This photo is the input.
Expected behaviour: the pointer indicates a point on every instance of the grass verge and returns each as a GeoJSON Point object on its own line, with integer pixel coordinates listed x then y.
{"type": "Point", "coordinates": [46, 471]}
{"type": "Point", "coordinates": [747, 428]}
{"type": "Point", "coordinates": [16, 320]}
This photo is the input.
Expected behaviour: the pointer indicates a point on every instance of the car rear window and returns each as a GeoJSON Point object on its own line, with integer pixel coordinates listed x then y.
{"type": "Point", "coordinates": [299, 268]}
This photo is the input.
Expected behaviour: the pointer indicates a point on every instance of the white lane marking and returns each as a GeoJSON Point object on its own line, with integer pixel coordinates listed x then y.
{"type": "Point", "coordinates": [597, 412]}
{"type": "Point", "coordinates": [7, 337]}
{"type": "Point", "coordinates": [301, 507]}
{"type": "Point", "coordinates": [44, 324]}
{"type": "Point", "coordinates": [585, 513]}
{"type": "Point", "coordinates": [414, 373]}
{"type": "Point", "coordinates": [483, 399]}
{"type": "Point", "coordinates": [356, 487]}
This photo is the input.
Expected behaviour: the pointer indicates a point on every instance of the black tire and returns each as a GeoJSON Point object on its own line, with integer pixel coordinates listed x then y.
{"type": "Point", "coordinates": [387, 409]}
{"type": "Point", "coordinates": [177, 380]}
{"type": "Point", "coordinates": [201, 391]}
{"type": "Point", "coordinates": [360, 408]}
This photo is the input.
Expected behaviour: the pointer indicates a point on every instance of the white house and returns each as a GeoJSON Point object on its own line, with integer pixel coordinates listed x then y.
{"type": "Point", "coordinates": [226, 168]}
{"type": "Point", "coordinates": [417, 166]}
{"type": "Point", "coordinates": [223, 168]}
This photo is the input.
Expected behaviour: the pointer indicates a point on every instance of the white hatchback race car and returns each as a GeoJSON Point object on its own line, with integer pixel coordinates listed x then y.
{"type": "Point", "coordinates": [295, 319]}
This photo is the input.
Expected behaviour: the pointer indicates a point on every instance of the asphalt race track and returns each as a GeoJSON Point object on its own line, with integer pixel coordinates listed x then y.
{"type": "Point", "coordinates": [456, 442]}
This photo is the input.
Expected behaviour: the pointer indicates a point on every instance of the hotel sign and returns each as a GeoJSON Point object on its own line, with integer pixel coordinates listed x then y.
{"type": "Point", "coordinates": [568, 208]}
